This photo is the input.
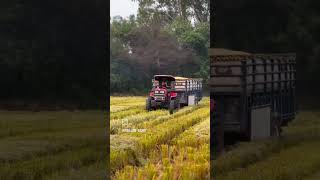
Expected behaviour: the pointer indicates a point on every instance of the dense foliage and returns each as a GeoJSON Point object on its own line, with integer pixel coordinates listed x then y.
{"type": "Point", "coordinates": [166, 37]}
{"type": "Point", "coordinates": [273, 27]}
{"type": "Point", "coordinates": [53, 52]}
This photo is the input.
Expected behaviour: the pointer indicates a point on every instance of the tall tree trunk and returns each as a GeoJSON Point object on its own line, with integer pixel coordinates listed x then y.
{"type": "Point", "coordinates": [183, 9]}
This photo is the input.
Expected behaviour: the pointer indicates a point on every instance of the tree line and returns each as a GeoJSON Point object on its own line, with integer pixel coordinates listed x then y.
{"type": "Point", "coordinates": [273, 26]}
{"type": "Point", "coordinates": [166, 37]}
{"type": "Point", "coordinates": [53, 53]}
{"type": "Point", "coordinates": [57, 52]}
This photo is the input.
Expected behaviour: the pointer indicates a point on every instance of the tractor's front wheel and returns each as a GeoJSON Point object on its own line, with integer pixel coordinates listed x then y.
{"type": "Point", "coordinates": [148, 104]}
{"type": "Point", "coordinates": [172, 106]}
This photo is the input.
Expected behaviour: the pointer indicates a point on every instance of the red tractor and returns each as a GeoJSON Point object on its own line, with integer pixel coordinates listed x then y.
{"type": "Point", "coordinates": [173, 92]}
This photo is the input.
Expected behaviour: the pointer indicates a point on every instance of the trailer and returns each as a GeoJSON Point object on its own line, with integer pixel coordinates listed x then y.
{"type": "Point", "coordinates": [252, 95]}
{"type": "Point", "coordinates": [173, 92]}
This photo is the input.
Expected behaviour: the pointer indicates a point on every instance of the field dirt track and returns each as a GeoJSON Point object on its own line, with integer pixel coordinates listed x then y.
{"type": "Point", "coordinates": [167, 147]}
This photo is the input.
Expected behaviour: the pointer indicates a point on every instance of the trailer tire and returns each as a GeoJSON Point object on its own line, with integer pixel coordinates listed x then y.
{"type": "Point", "coordinates": [276, 131]}
{"type": "Point", "coordinates": [172, 106]}
{"type": "Point", "coordinates": [275, 127]}
{"type": "Point", "coordinates": [148, 104]}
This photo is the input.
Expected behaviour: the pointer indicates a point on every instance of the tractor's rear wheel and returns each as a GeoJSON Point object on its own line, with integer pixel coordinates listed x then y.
{"type": "Point", "coordinates": [172, 106]}
{"type": "Point", "coordinates": [148, 104]}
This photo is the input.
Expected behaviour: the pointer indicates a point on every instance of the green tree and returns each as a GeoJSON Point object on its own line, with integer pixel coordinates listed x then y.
{"type": "Point", "coordinates": [161, 40]}
{"type": "Point", "coordinates": [171, 9]}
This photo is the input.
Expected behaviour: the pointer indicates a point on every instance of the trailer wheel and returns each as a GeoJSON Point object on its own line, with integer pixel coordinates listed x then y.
{"type": "Point", "coordinates": [275, 126]}
{"type": "Point", "coordinates": [172, 106]}
{"type": "Point", "coordinates": [178, 106]}
{"type": "Point", "coordinates": [276, 131]}
{"type": "Point", "coordinates": [148, 104]}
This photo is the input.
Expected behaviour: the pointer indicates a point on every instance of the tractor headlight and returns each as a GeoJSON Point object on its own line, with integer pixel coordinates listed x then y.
{"type": "Point", "coordinates": [161, 92]}
{"type": "Point", "coordinates": [156, 92]}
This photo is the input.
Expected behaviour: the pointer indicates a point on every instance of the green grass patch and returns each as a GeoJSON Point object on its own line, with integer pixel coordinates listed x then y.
{"type": "Point", "coordinates": [39, 167]}
{"type": "Point", "coordinates": [305, 128]}
{"type": "Point", "coordinates": [36, 145]}
{"type": "Point", "coordinates": [292, 163]}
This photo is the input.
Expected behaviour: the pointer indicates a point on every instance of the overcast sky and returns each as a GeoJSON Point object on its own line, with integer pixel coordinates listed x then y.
{"type": "Point", "coordinates": [124, 8]}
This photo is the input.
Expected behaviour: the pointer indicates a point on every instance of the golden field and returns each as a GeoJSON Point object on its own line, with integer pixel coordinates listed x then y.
{"type": "Point", "coordinates": [159, 145]}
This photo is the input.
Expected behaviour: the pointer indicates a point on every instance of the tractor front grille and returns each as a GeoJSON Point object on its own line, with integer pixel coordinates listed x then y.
{"type": "Point", "coordinates": [159, 97]}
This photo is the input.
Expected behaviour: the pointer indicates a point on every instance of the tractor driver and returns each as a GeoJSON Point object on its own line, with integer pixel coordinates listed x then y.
{"type": "Point", "coordinates": [164, 85]}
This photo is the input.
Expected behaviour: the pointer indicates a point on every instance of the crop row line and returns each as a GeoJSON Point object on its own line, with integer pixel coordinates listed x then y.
{"type": "Point", "coordinates": [176, 161]}
{"type": "Point", "coordinates": [160, 134]}
{"type": "Point", "coordinates": [131, 121]}
{"type": "Point", "coordinates": [123, 114]}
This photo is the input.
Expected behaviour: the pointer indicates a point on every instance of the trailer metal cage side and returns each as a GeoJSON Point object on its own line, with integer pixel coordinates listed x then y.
{"type": "Point", "coordinates": [247, 88]}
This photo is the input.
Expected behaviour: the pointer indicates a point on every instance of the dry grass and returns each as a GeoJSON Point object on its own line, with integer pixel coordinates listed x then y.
{"type": "Point", "coordinates": [144, 155]}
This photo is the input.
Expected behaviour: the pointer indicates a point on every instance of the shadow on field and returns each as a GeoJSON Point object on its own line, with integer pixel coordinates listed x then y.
{"type": "Point", "coordinates": [231, 139]}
